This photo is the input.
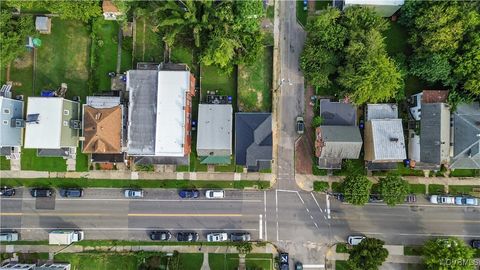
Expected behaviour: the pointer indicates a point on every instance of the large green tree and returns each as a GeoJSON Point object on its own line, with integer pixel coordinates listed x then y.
{"type": "Point", "coordinates": [356, 189]}
{"type": "Point", "coordinates": [448, 254]}
{"type": "Point", "coordinates": [393, 189]}
{"type": "Point", "coordinates": [368, 255]}
{"type": "Point", "coordinates": [77, 10]}
{"type": "Point", "coordinates": [348, 50]}
{"type": "Point", "coordinates": [13, 36]}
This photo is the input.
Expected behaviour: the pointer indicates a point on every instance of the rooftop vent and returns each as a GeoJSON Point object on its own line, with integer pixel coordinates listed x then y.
{"type": "Point", "coordinates": [394, 139]}
{"type": "Point", "coordinates": [75, 124]}
{"type": "Point", "coordinates": [33, 118]}
{"type": "Point", "coordinates": [17, 123]}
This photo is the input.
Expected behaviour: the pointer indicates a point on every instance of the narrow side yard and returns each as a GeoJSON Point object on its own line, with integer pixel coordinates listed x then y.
{"type": "Point", "coordinates": [148, 45]}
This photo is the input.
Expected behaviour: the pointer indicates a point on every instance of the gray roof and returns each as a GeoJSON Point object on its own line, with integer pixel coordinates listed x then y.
{"type": "Point", "coordinates": [41, 23]}
{"type": "Point", "coordinates": [382, 111]}
{"type": "Point", "coordinates": [10, 109]}
{"type": "Point", "coordinates": [466, 146]}
{"type": "Point", "coordinates": [214, 129]}
{"type": "Point", "coordinates": [385, 8]}
{"type": "Point", "coordinates": [388, 139]}
{"type": "Point", "coordinates": [338, 113]}
{"type": "Point", "coordinates": [435, 133]}
{"type": "Point", "coordinates": [343, 142]}
{"type": "Point", "coordinates": [253, 139]}
{"type": "Point", "coordinates": [142, 87]}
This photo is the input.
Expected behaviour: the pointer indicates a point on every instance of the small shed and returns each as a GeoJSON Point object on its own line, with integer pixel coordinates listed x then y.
{"type": "Point", "coordinates": [43, 24]}
{"type": "Point", "coordinates": [110, 11]}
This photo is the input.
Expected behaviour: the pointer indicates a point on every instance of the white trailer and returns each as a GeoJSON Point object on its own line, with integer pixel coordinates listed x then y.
{"type": "Point", "coordinates": [64, 237]}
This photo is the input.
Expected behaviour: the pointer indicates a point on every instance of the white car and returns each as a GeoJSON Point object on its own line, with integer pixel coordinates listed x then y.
{"type": "Point", "coordinates": [439, 199]}
{"type": "Point", "coordinates": [133, 193]}
{"type": "Point", "coordinates": [217, 237]}
{"type": "Point", "coordinates": [215, 194]}
{"type": "Point", "coordinates": [8, 237]}
{"type": "Point", "coordinates": [354, 240]}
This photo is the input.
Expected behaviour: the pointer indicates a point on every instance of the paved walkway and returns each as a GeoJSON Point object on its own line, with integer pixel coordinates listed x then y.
{"type": "Point", "coordinates": [205, 265]}
{"type": "Point", "coordinates": [129, 175]}
{"type": "Point", "coordinates": [305, 181]}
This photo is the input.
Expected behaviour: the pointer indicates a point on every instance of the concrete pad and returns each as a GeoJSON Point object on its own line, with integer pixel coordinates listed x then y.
{"type": "Point", "coordinates": [394, 249]}
{"type": "Point", "coordinates": [180, 176]}
{"type": "Point", "coordinates": [237, 177]}
{"type": "Point", "coordinates": [134, 176]}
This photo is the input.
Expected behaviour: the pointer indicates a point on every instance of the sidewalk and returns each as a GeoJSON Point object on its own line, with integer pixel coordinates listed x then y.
{"type": "Point", "coordinates": [305, 181]}
{"type": "Point", "coordinates": [128, 175]}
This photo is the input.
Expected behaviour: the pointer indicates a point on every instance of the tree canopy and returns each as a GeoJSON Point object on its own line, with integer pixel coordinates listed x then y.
{"type": "Point", "coordinates": [13, 36]}
{"type": "Point", "coordinates": [347, 50]}
{"type": "Point", "coordinates": [393, 189]}
{"type": "Point", "coordinates": [448, 254]}
{"type": "Point", "coordinates": [368, 255]}
{"type": "Point", "coordinates": [445, 39]}
{"type": "Point", "coordinates": [356, 189]}
{"type": "Point", "coordinates": [227, 32]}
{"type": "Point", "coordinates": [77, 10]}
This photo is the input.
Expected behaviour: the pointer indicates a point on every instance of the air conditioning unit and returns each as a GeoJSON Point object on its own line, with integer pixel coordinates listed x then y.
{"type": "Point", "coordinates": [17, 123]}
{"type": "Point", "coordinates": [75, 124]}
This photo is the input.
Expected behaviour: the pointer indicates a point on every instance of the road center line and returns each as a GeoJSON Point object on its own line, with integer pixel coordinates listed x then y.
{"type": "Point", "coordinates": [122, 215]}
{"type": "Point", "coordinates": [260, 224]}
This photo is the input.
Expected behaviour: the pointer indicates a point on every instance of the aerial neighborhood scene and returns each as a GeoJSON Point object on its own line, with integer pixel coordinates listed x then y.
{"type": "Point", "coordinates": [239, 134]}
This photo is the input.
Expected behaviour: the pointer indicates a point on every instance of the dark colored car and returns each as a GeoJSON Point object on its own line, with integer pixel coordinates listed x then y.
{"type": "Point", "coordinates": [189, 193]}
{"type": "Point", "coordinates": [41, 192]}
{"type": "Point", "coordinates": [284, 261]}
{"type": "Point", "coordinates": [7, 191]}
{"type": "Point", "coordinates": [298, 266]}
{"type": "Point", "coordinates": [160, 235]}
{"type": "Point", "coordinates": [187, 236]}
{"type": "Point", "coordinates": [240, 237]}
{"type": "Point", "coordinates": [375, 198]}
{"type": "Point", "coordinates": [475, 243]}
{"type": "Point", "coordinates": [71, 192]}
{"type": "Point", "coordinates": [411, 198]}
{"type": "Point", "coordinates": [300, 125]}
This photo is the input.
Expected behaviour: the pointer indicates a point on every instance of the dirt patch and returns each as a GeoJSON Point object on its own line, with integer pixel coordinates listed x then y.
{"type": "Point", "coordinates": [23, 62]}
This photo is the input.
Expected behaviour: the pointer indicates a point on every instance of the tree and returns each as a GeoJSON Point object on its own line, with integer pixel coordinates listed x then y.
{"type": "Point", "coordinates": [317, 121]}
{"type": "Point", "coordinates": [13, 36]}
{"type": "Point", "coordinates": [448, 254]}
{"type": "Point", "coordinates": [393, 189]}
{"type": "Point", "coordinates": [368, 255]}
{"type": "Point", "coordinates": [76, 10]}
{"type": "Point", "coordinates": [468, 64]}
{"type": "Point", "coordinates": [356, 189]}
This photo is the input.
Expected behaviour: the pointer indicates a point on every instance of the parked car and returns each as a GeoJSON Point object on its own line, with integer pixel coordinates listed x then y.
{"type": "Point", "coordinates": [217, 237]}
{"type": "Point", "coordinates": [240, 237]}
{"type": "Point", "coordinates": [411, 198]}
{"type": "Point", "coordinates": [133, 193]}
{"type": "Point", "coordinates": [71, 192]}
{"type": "Point", "coordinates": [375, 198]}
{"type": "Point", "coordinates": [466, 200]}
{"type": "Point", "coordinates": [8, 236]}
{"type": "Point", "coordinates": [298, 266]}
{"type": "Point", "coordinates": [41, 192]}
{"type": "Point", "coordinates": [354, 240]}
{"type": "Point", "coordinates": [189, 193]}
{"type": "Point", "coordinates": [339, 196]}
{"type": "Point", "coordinates": [160, 235]}
{"type": "Point", "coordinates": [283, 261]}
{"type": "Point", "coordinates": [300, 125]}
{"type": "Point", "coordinates": [475, 243]}
{"type": "Point", "coordinates": [441, 199]}
{"type": "Point", "coordinates": [215, 194]}
{"type": "Point", "coordinates": [7, 191]}
{"type": "Point", "coordinates": [187, 236]}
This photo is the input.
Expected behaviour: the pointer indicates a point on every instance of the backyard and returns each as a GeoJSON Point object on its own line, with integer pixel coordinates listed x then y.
{"type": "Point", "coordinates": [148, 45]}
{"type": "Point", "coordinates": [104, 42]}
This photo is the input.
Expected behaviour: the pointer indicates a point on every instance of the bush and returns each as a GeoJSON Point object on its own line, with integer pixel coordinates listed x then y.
{"type": "Point", "coordinates": [320, 186]}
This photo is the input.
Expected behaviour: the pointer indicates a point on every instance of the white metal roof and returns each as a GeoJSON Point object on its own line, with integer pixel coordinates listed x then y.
{"type": "Point", "coordinates": [375, 2]}
{"type": "Point", "coordinates": [214, 128]}
{"type": "Point", "coordinates": [101, 102]}
{"type": "Point", "coordinates": [47, 133]}
{"type": "Point", "coordinates": [388, 139]}
{"type": "Point", "coordinates": [170, 122]}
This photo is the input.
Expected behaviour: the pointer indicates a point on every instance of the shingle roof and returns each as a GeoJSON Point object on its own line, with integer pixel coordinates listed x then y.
{"type": "Point", "coordinates": [344, 142]}
{"type": "Point", "coordinates": [337, 113]}
{"type": "Point", "coordinates": [253, 138]}
{"type": "Point", "coordinates": [102, 130]}
{"type": "Point", "coordinates": [382, 111]}
{"type": "Point", "coordinates": [466, 147]}
{"type": "Point", "coordinates": [435, 133]}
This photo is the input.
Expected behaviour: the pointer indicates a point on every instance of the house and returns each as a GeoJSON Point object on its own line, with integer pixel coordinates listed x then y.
{"type": "Point", "coordinates": [159, 114]}
{"type": "Point", "coordinates": [214, 135]}
{"type": "Point", "coordinates": [384, 140]}
{"type": "Point", "coordinates": [11, 116]}
{"type": "Point", "coordinates": [32, 266]}
{"type": "Point", "coordinates": [103, 128]}
{"type": "Point", "coordinates": [426, 96]}
{"type": "Point", "coordinates": [253, 140]}
{"type": "Point", "coordinates": [338, 137]}
{"type": "Point", "coordinates": [386, 8]}
{"type": "Point", "coordinates": [110, 11]}
{"type": "Point", "coordinates": [466, 137]}
{"type": "Point", "coordinates": [43, 24]}
{"type": "Point", "coordinates": [52, 126]}
{"type": "Point", "coordinates": [335, 143]}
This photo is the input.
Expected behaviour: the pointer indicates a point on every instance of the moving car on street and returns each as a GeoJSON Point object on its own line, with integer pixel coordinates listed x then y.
{"type": "Point", "coordinates": [215, 194]}
{"type": "Point", "coordinates": [442, 199]}
{"type": "Point", "coordinates": [71, 192]}
{"type": "Point", "coordinates": [160, 235]}
{"type": "Point", "coordinates": [217, 237]}
{"type": "Point", "coordinates": [189, 193]}
{"type": "Point", "coordinates": [354, 240]}
{"type": "Point", "coordinates": [133, 193]}
{"type": "Point", "coordinates": [41, 192]}
{"type": "Point", "coordinates": [187, 237]}
{"type": "Point", "coordinates": [240, 237]}
{"type": "Point", "coordinates": [7, 191]}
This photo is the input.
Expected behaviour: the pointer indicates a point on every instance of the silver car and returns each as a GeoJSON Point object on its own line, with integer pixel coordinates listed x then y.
{"type": "Point", "coordinates": [8, 236]}
{"type": "Point", "coordinates": [133, 193]}
{"type": "Point", "coordinates": [354, 240]}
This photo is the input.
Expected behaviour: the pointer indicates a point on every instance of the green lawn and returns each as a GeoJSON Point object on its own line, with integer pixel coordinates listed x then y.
{"type": "Point", "coordinates": [337, 187]}
{"type": "Point", "coordinates": [183, 55]}
{"type": "Point", "coordinates": [418, 188]}
{"type": "Point", "coordinates": [341, 265]}
{"type": "Point", "coordinates": [4, 164]}
{"type": "Point", "coordinates": [30, 162]}
{"type": "Point", "coordinates": [259, 261]}
{"type": "Point", "coordinates": [255, 84]}
{"type": "Point", "coordinates": [109, 183]}
{"type": "Point", "coordinates": [453, 189]}
{"type": "Point", "coordinates": [105, 48]}
{"type": "Point", "coordinates": [213, 79]}
{"type": "Point", "coordinates": [436, 189]}
{"type": "Point", "coordinates": [351, 166]}
{"type": "Point", "coordinates": [190, 261]}
{"type": "Point", "coordinates": [21, 73]}
{"type": "Point", "coordinates": [320, 186]}
{"type": "Point", "coordinates": [64, 58]}
{"type": "Point", "coordinates": [127, 47]}
{"type": "Point", "coordinates": [226, 168]}
{"type": "Point", "coordinates": [148, 44]}
{"type": "Point", "coordinates": [341, 248]}
{"type": "Point", "coordinates": [82, 161]}
{"type": "Point", "coordinates": [270, 12]}
{"type": "Point", "coordinates": [302, 14]}
{"type": "Point", "coordinates": [104, 261]}
{"type": "Point", "coordinates": [465, 173]}
{"type": "Point", "coordinates": [224, 261]}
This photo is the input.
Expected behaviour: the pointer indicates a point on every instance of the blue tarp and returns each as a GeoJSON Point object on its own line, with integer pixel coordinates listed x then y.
{"type": "Point", "coordinates": [47, 93]}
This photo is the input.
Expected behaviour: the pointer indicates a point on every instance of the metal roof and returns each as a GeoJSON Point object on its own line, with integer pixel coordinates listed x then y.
{"type": "Point", "coordinates": [214, 133]}
{"type": "Point", "coordinates": [382, 111]}
{"type": "Point", "coordinates": [435, 133]}
{"type": "Point", "coordinates": [385, 8]}
{"type": "Point", "coordinates": [253, 139]}
{"type": "Point", "coordinates": [388, 139]}
{"type": "Point", "coordinates": [10, 109]}
{"type": "Point", "coordinates": [338, 113]}
{"type": "Point", "coordinates": [41, 23]}
{"type": "Point", "coordinates": [466, 140]}
{"type": "Point", "coordinates": [101, 102]}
